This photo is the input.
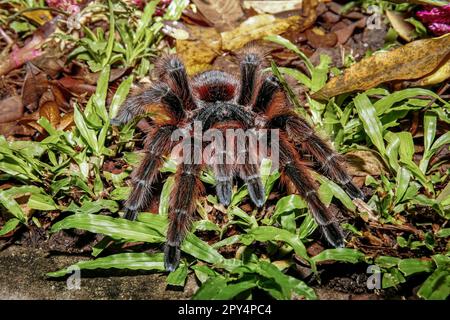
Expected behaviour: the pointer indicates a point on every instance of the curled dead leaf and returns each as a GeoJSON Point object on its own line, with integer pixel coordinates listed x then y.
{"type": "Point", "coordinates": [411, 61]}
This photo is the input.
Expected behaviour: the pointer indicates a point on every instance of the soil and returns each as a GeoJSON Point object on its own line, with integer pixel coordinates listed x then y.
{"type": "Point", "coordinates": [23, 269]}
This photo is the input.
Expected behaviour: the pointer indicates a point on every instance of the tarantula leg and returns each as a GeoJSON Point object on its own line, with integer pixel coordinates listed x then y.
{"type": "Point", "coordinates": [137, 104]}
{"type": "Point", "coordinates": [266, 93]}
{"type": "Point", "coordinates": [224, 181]}
{"type": "Point", "coordinates": [298, 174]}
{"type": "Point", "coordinates": [250, 66]}
{"type": "Point", "coordinates": [147, 172]}
{"type": "Point", "coordinates": [250, 174]}
{"type": "Point", "coordinates": [183, 197]}
{"type": "Point", "coordinates": [172, 69]}
{"type": "Point", "coordinates": [330, 161]}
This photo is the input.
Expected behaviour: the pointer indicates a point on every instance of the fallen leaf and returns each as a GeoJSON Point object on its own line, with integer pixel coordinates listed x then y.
{"type": "Point", "coordinates": [411, 61]}
{"type": "Point", "coordinates": [403, 28]}
{"type": "Point", "coordinates": [223, 14]}
{"type": "Point", "coordinates": [175, 30]}
{"type": "Point", "coordinates": [440, 75]}
{"type": "Point", "coordinates": [273, 7]}
{"type": "Point", "coordinates": [34, 86]}
{"type": "Point", "coordinates": [364, 162]}
{"type": "Point", "coordinates": [199, 51]}
{"type": "Point", "coordinates": [50, 111]}
{"type": "Point", "coordinates": [11, 109]}
{"type": "Point", "coordinates": [66, 122]}
{"type": "Point", "coordinates": [255, 28]}
{"type": "Point", "coordinates": [318, 39]}
{"type": "Point", "coordinates": [38, 16]}
{"type": "Point", "coordinates": [76, 86]}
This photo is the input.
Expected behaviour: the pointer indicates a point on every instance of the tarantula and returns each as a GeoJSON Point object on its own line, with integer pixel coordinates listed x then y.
{"type": "Point", "coordinates": [221, 100]}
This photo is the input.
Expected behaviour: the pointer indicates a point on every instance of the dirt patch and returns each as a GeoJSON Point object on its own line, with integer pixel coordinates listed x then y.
{"type": "Point", "coordinates": [22, 276]}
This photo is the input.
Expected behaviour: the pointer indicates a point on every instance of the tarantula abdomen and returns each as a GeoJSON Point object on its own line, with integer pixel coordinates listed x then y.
{"type": "Point", "coordinates": [221, 102]}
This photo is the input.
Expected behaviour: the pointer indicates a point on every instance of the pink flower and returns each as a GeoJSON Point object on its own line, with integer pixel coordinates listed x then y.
{"type": "Point", "coordinates": [439, 28]}
{"type": "Point", "coordinates": [437, 19]}
{"type": "Point", "coordinates": [70, 6]}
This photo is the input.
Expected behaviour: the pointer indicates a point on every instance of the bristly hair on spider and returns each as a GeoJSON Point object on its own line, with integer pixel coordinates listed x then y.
{"type": "Point", "coordinates": [217, 99]}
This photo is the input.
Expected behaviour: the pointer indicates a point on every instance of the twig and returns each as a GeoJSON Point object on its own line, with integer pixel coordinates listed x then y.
{"type": "Point", "coordinates": [439, 93]}
{"type": "Point", "coordinates": [8, 40]}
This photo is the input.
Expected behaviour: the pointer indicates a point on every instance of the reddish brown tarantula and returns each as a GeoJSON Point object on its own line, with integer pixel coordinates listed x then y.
{"type": "Point", "coordinates": [220, 100]}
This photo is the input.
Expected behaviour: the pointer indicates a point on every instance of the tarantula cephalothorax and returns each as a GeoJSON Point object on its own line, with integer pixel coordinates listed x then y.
{"type": "Point", "coordinates": [220, 100]}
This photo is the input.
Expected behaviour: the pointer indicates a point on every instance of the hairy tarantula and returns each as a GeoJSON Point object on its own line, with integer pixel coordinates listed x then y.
{"type": "Point", "coordinates": [220, 100]}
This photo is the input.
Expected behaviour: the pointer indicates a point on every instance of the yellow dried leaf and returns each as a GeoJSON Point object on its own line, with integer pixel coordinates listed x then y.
{"type": "Point", "coordinates": [66, 122]}
{"type": "Point", "coordinates": [438, 76]}
{"type": "Point", "coordinates": [50, 111]}
{"type": "Point", "coordinates": [411, 61]}
{"type": "Point", "coordinates": [272, 6]}
{"type": "Point", "coordinates": [254, 28]}
{"type": "Point", "coordinates": [200, 49]}
{"type": "Point", "coordinates": [403, 28]}
{"type": "Point", "coordinates": [38, 16]}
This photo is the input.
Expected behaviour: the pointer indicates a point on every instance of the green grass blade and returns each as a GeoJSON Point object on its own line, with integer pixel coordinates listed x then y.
{"type": "Point", "coordinates": [340, 254]}
{"type": "Point", "coordinates": [372, 125]}
{"type": "Point", "coordinates": [116, 228]}
{"type": "Point", "coordinates": [132, 261]}
{"type": "Point", "coordinates": [437, 286]}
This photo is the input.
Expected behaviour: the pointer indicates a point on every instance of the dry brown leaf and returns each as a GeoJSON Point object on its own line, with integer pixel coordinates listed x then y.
{"type": "Point", "coordinates": [222, 14]}
{"type": "Point", "coordinates": [34, 86]}
{"type": "Point", "coordinates": [66, 122]}
{"type": "Point", "coordinates": [411, 61]}
{"type": "Point", "coordinates": [254, 28]}
{"type": "Point", "coordinates": [50, 111]}
{"type": "Point", "coordinates": [198, 52]}
{"type": "Point", "coordinates": [364, 162]}
{"type": "Point", "coordinates": [11, 109]}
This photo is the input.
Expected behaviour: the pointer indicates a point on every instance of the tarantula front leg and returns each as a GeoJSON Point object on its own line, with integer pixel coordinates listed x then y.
{"type": "Point", "coordinates": [251, 176]}
{"type": "Point", "coordinates": [250, 66]}
{"type": "Point", "coordinates": [172, 70]}
{"type": "Point", "coordinates": [185, 192]}
{"type": "Point", "coordinates": [293, 169]}
{"type": "Point", "coordinates": [224, 177]}
{"type": "Point", "coordinates": [145, 175]}
{"type": "Point", "coordinates": [159, 94]}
